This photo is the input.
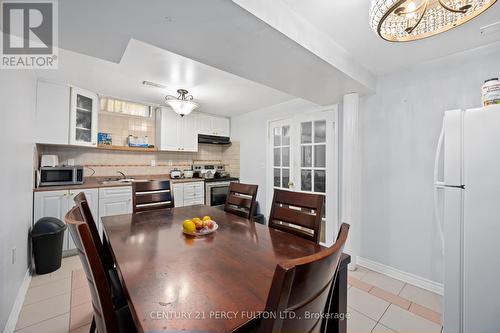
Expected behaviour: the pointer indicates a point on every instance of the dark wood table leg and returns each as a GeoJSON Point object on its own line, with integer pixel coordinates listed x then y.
{"type": "Point", "coordinates": [337, 322]}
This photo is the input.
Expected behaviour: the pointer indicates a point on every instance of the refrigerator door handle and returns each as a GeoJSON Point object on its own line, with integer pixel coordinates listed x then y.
{"type": "Point", "coordinates": [438, 185]}
{"type": "Point", "coordinates": [439, 149]}
{"type": "Point", "coordinates": [455, 186]}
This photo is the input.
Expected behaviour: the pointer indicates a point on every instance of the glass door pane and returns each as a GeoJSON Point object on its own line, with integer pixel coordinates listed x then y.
{"type": "Point", "coordinates": [302, 158]}
{"type": "Point", "coordinates": [83, 118]}
{"type": "Point", "coordinates": [313, 161]}
{"type": "Point", "coordinates": [281, 155]}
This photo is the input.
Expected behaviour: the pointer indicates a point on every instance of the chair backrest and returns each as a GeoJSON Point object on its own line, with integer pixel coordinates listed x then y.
{"type": "Point", "coordinates": [152, 195]}
{"type": "Point", "coordinates": [241, 199]}
{"type": "Point", "coordinates": [297, 213]}
{"type": "Point", "coordinates": [303, 286]}
{"type": "Point", "coordinates": [82, 203]}
{"type": "Point", "coordinates": [102, 301]}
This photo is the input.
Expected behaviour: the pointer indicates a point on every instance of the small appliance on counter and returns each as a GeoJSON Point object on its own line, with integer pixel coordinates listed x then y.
{"type": "Point", "coordinates": [60, 175]}
{"type": "Point", "coordinates": [188, 173]}
{"type": "Point", "coordinates": [175, 174]}
{"type": "Point", "coordinates": [49, 161]}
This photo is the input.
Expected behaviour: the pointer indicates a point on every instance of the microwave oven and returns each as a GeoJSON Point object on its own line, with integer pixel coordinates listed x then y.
{"type": "Point", "coordinates": [64, 175]}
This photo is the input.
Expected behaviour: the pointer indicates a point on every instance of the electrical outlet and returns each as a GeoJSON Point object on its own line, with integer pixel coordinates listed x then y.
{"type": "Point", "coordinates": [13, 255]}
{"type": "Point", "coordinates": [153, 163]}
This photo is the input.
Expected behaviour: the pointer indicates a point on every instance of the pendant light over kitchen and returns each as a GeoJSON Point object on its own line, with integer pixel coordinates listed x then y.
{"type": "Point", "coordinates": [408, 20]}
{"type": "Point", "coordinates": [182, 104]}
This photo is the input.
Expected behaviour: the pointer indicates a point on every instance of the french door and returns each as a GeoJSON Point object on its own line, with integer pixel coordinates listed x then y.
{"type": "Point", "coordinates": [303, 157]}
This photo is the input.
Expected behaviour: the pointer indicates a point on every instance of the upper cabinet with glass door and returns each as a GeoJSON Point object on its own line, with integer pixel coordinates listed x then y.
{"type": "Point", "coordinates": [83, 117]}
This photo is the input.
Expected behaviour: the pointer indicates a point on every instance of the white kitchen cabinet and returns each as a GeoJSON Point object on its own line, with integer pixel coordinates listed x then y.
{"type": "Point", "coordinates": [220, 126]}
{"type": "Point", "coordinates": [212, 125]}
{"type": "Point", "coordinates": [175, 133]}
{"type": "Point", "coordinates": [189, 194]}
{"type": "Point", "coordinates": [188, 135]}
{"type": "Point", "coordinates": [52, 113]}
{"type": "Point", "coordinates": [114, 201]}
{"type": "Point", "coordinates": [204, 124]}
{"type": "Point", "coordinates": [58, 203]}
{"type": "Point", "coordinates": [178, 190]}
{"type": "Point", "coordinates": [84, 109]}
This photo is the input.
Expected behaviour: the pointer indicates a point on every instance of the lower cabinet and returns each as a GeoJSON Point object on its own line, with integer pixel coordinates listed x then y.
{"type": "Point", "coordinates": [114, 201]}
{"type": "Point", "coordinates": [58, 203]}
{"type": "Point", "coordinates": [103, 202]}
{"type": "Point", "coordinates": [189, 194]}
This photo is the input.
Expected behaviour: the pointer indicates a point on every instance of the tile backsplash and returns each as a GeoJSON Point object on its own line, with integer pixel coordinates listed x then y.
{"type": "Point", "coordinates": [121, 126]}
{"type": "Point", "coordinates": [108, 162]}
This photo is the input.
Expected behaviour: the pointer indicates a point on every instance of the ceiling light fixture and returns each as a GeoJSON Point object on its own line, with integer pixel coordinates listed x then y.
{"type": "Point", "coordinates": [408, 20]}
{"type": "Point", "coordinates": [182, 104]}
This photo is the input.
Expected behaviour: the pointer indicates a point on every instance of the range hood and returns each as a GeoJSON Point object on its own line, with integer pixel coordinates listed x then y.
{"type": "Point", "coordinates": [214, 139]}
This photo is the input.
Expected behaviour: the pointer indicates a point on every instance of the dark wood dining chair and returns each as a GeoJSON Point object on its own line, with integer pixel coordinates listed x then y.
{"type": "Point", "coordinates": [152, 195]}
{"type": "Point", "coordinates": [301, 286]}
{"type": "Point", "coordinates": [82, 203]}
{"type": "Point", "coordinates": [297, 213]}
{"type": "Point", "coordinates": [241, 199]}
{"type": "Point", "coordinates": [102, 249]}
{"type": "Point", "coordinates": [107, 317]}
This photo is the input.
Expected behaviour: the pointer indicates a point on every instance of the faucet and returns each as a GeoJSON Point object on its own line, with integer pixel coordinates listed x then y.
{"type": "Point", "coordinates": [121, 173]}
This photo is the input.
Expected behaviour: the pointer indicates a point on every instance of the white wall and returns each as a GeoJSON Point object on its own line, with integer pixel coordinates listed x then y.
{"type": "Point", "coordinates": [17, 111]}
{"type": "Point", "coordinates": [400, 126]}
{"type": "Point", "coordinates": [251, 130]}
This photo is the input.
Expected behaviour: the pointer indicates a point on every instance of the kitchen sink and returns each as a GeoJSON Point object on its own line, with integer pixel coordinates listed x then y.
{"type": "Point", "coordinates": [123, 181]}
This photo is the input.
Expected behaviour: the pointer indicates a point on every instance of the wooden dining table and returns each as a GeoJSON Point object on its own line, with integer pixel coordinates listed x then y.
{"type": "Point", "coordinates": [215, 283]}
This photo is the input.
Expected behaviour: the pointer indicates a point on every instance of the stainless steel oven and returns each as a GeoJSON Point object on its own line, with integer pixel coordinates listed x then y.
{"type": "Point", "coordinates": [216, 191]}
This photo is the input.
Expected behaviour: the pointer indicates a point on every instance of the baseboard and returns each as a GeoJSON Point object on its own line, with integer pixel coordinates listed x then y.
{"type": "Point", "coordinates": [10, 326]}
{"type": "Point", "coordinates": [395, 273]}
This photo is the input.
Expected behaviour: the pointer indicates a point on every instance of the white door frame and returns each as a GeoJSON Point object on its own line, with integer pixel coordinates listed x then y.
{"type": "Point", "coordinates": [332, 173]}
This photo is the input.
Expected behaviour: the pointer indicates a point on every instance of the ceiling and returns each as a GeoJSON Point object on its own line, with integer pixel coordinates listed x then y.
{"type": "Point", "coordinates": [240, 55]}
{"type": "Point", "coordinates": [216, 91]}
{"type": "Point", "coordinates": [218, 33]}
{"type": "Point", "coordinates": [346, 22]}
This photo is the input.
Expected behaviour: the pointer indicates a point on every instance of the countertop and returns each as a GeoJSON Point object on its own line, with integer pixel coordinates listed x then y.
{"type": "Point", "coordinates": [96, 182]}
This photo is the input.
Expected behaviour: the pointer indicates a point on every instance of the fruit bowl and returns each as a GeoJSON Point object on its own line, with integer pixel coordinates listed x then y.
{"type": "Point", "coordinates": [199, 227]}
{"type": "Point", "coordinates": [202, 232]}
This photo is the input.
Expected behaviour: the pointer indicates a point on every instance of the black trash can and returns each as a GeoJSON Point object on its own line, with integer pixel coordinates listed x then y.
{"type": "Point", "coordinates": [47, 236]}
{"type": "Point", "coordinates": [258, 217]}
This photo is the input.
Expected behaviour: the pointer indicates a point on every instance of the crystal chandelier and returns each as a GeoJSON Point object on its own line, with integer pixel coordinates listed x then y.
{"type": "Point", "coordinates": [182, 104]}
{"type": "Point", "coordinates": [407, 20]}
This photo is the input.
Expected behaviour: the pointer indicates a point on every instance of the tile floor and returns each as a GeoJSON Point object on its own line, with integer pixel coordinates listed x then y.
{"type": "Point", "coordinates": [60, 303]}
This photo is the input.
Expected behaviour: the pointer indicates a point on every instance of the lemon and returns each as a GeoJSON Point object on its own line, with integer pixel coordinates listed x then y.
{"type": "Point", "coordinates": [206, 218]}
{"type": "Point", "coordinates": [196, 219]}
{"type": "Point", "coordinates": [189, 226]}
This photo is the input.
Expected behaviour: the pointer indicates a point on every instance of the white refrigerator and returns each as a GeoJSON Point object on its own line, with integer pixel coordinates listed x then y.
{"type": "Point", "coordinates": [469, 186]}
